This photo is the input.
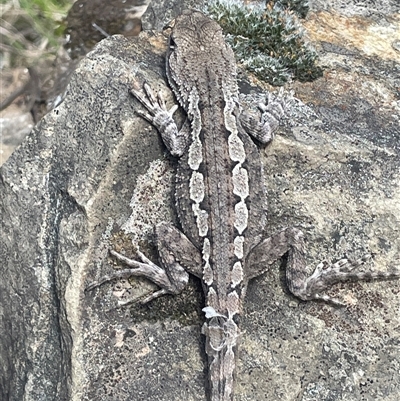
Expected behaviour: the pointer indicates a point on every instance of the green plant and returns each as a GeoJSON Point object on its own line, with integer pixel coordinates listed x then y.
{"type": "Point", "coordinates": [30, 28]}
{"type": "Point", "coordinates": [300, 7]}
{"type": "Point", "coordinates": [267, 40]}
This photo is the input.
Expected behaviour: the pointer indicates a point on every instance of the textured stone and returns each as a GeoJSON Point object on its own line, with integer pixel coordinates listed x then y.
{"type": "Point", "coordinates": [93, 175]}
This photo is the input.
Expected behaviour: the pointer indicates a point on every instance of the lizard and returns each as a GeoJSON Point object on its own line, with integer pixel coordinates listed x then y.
{"type": "Point", "coordinates": [220, 198]}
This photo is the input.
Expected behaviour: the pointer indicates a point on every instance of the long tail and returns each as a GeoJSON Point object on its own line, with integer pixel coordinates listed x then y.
{"type": "Point", "coordinates": [221, 348]}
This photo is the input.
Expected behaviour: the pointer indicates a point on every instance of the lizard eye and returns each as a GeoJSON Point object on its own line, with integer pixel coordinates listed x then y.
{"type": "Point", "coordinates": [171, 43]}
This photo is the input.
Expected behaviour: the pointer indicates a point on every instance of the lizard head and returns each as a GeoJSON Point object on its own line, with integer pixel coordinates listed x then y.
{"type": "Point", "coordinates": [197, 54]}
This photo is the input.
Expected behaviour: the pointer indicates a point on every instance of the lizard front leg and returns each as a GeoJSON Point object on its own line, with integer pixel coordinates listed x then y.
{"type": "Point", "coordinates": [175, 140]}
{"type": "Point", "coordinates": [262, 126]}
{"type": "Point", "coordinates": [300, 283]}
{"type": "Point", "coordinates": [177, 256]}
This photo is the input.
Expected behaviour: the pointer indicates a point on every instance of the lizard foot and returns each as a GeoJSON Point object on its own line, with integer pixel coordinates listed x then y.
{"type": "Point", "coordinates": [325, 276]}
{"type": "Point", "coordinates": [262, 127]}
{"type": "Point", "coordinates": [162, 119]}
{"type": "Point", "coordinates": [150, 270]}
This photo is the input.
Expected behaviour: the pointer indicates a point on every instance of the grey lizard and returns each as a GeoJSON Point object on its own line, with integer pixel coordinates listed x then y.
{"type": "Point", "coordinates": [220, 198]}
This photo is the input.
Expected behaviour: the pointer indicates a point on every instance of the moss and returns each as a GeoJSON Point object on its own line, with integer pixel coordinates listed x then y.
{"type": "Point", "coordinates": [267, 40]}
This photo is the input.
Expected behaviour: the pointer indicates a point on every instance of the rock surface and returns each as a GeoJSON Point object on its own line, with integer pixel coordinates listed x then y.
{"type": "Point", "coordinates": [93, 175]}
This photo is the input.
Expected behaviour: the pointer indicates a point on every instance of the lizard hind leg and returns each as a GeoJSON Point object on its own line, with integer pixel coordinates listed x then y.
{"type": "Point", "coordinates": [299, 281]}
{"type": "Point", "coordinates": [324, 276]}
{"type": "Point", "coordinates": [172, 276]}
{"type": "Point", "coordinates": [147, 269]}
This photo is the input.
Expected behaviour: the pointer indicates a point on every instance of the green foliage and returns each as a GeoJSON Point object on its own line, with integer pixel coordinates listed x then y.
{"type": "Point", "coordinates": [46, 16]}
{"type": "Point", "coordinates": [30, 29]}
{"type": "Point", "coordinates": [300, 7]}
{"type": "Point", "coordinates": [268, 41]}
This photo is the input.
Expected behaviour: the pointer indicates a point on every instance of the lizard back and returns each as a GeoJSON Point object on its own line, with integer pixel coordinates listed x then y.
{"type": "Point", "coordinates": [219, 192]}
